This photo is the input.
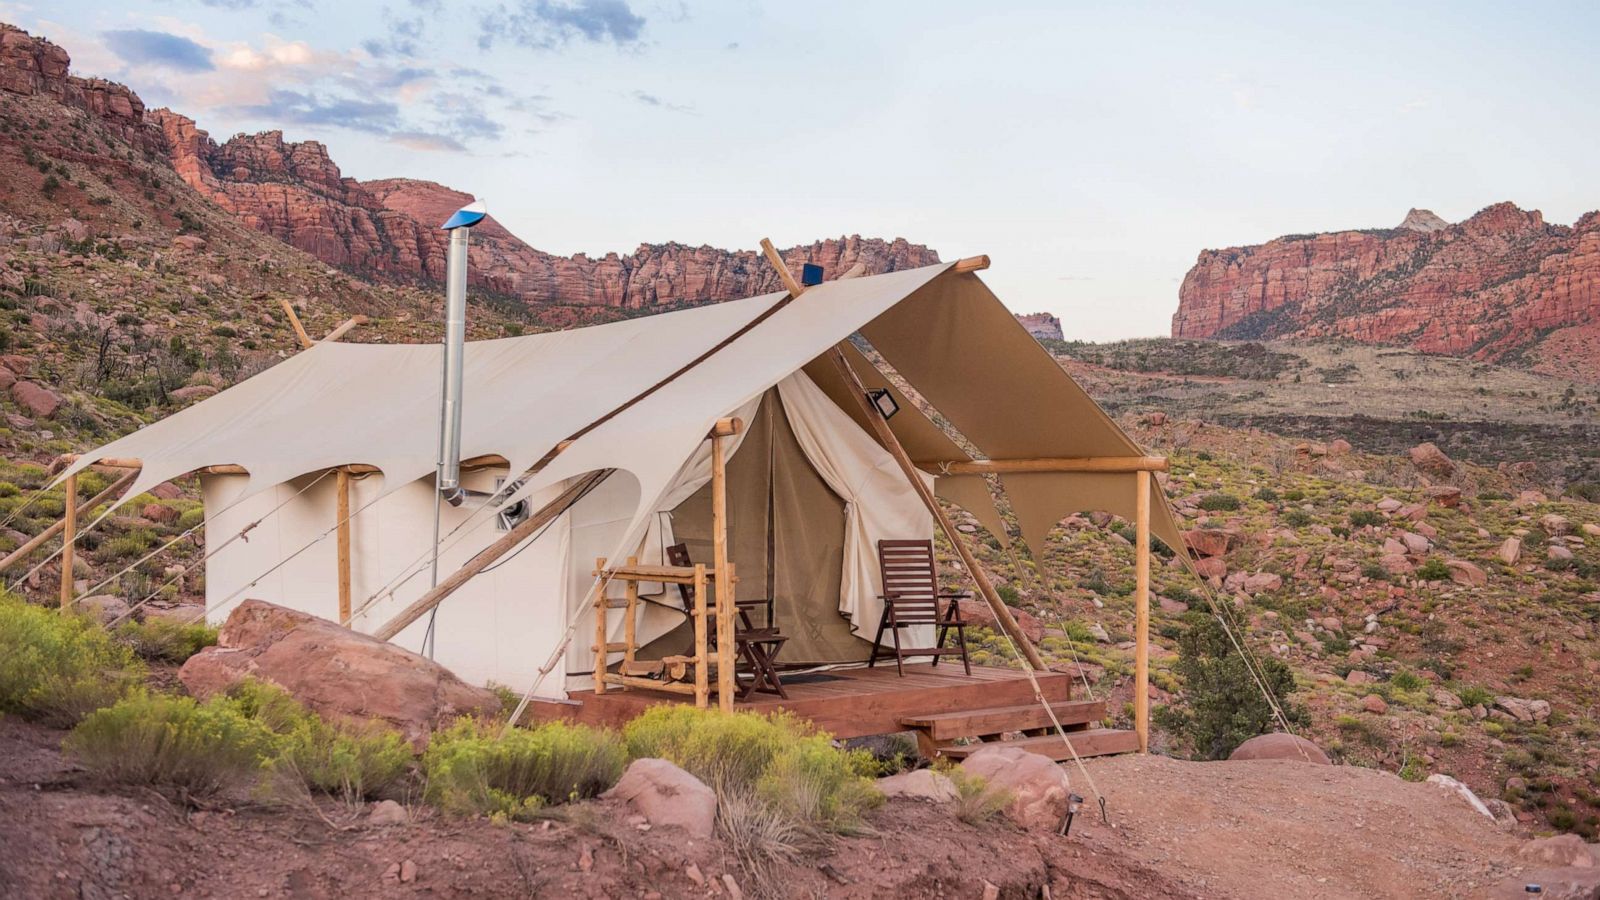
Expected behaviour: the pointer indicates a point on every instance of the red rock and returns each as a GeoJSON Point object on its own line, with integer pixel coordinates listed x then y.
{"type": "Point", "coordinates": [1281, 746]}
{"type": "Point", "coordinates": [39, 402]}
{"type": "Point", "coordinates": [192, 392]}
{"type": "Point", "coordinates": [7, 379]}
{"type": "Point", "coordinates": [34, 66]}
{"type": "Point", "coordinates": [334, 671]}
{"type": "Point", "coordinates": [1374, 704]}
{"type": "Point", "coordinates": [1499, 284]}
{"type": "Point", "coordinates": [1211, 567]}
{"type": "Point", "coordinates": [1038, 787]}
{"type": "Point", "coordinates": [165, 515]}
{"type": "Point", "coordinates": [667, 795]}
{"type": "Point", "coordinates": [1339, 447]}
{"type": "Point", "coordinates": [1429, 458]}
{"type": "Point", "coordinates": [1463, 572]}
{"type": "Point", "coordinates": [1210, 541]}
{"type": "Point", "coordinates": [1445, 495]}
{"type": "Point", "coordinates": [166, 490]}
{"type": "Point", "coordinates": [18, 365]}
{"type": "Point", "coordinates": [1510, 551]}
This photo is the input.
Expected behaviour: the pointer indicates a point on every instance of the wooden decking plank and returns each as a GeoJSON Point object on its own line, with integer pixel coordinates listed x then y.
{"type": "Point", "coordinates": [996, 720]}
{"type": "Point", "coordinates": [1094, 742]}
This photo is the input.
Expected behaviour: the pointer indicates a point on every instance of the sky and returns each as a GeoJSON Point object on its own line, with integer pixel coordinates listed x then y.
{"type": "Point", "coordinates": [1091, 149]}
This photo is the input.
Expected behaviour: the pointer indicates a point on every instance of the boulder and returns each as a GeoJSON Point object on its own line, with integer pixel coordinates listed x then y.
{"type": "Point", "coordinates": [1208, 542]}
{"type": "Point", "coordinates": [1557, 552]}
{"type": "Point", "coordinates": [1414, 512]}
{"type": "Point", "coordinates": [189, 242]}
{"type": "Point", "coordinates": [1560, 852]}
{"type": "Point", "coordinates": [923, 784]}
{"type": "Point", "coordinates": [102, 607]}
{"type": "Point", "coordinates": [667, 795]}
{"type": "Point", "coordinates": [1432, 460]}
{"type": "Point", "coordinates": [1038, 787]}
{"type": "Point", "coordinates": [166, 490]}
{"type": "Point", "coordinates": [1374, 704]}
{"type": "Point", "coordinates": [1575, 883]}
{"type": "Point", "coordinates": [1524, 710]}
{"type": "Point", "coordinates": [1171, 606]}
{"type": "Point", "coordinates": [1358, 677]}
{"type": "Point", "coordinates": [1591, 529]}
{"type": "Point", "coordinates": [1389, 505]}
{"type": "Point", "coordinates": [192, 392]}
{"type": "Point", "coordinates": [1396, 564]}
{"type": "Point", "coordinates": [1555, 523]}
{"type": "Point", "coordinates": [1281, 746]}
{"type": "Point", "coordinates": [36, 401]}
{"type": "Point", "coordinates": [1510, 551]}
{"type": "Point", "coordinates": [1211, 567]}
{"type": "Point", "coordinates": [977, 612]}
{"type": "Point", "coordinates": [1463, 572]}
{"type": "Point", "coordinates": [1446, 700]}
{"type": "Point", "coordinates": [1445, 495]}
{"type": "Point", "coordinates": [7, 379]}
{"type": "Point", "coordinates": [1262, 582]}
{"type": "Point", "coordinates": [334, 671]}
{"type": "Point", "coordinates": [388, 812]}
{"type": "Point", "coordinates": [1339, 447]}
{"type": "Point", "coordinates": [164, 515]}
{"type": "Point", "coordinates": [1415, 543]}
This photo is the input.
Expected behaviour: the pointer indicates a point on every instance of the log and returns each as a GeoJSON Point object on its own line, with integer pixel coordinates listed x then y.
{"type": "Point", "coordinates": [69, 535]}
{"type": "Point", "coordinates": [342, 511]}
{"type": "Point", "coordinates": [972, 263]}
{"type": "Point", "coordinates": [39, 539]}
{"type": "Point", "coordinates": [485, 557]}
{"type": "Point", "coordinates": [1141, 628]}
{"type": "Point", "coordinates": [726, 682]}
{"type": "Point", "coordinates": [344, 327]}
{"type": "Point", "coordinates": [299, 330]}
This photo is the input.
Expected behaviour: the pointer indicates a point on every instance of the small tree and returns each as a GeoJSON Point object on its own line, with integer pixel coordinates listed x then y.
{"type": "Point", "coordinates": [1222, 705]}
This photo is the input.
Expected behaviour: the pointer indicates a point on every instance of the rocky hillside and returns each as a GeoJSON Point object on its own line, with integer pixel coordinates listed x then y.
{"type": "Point", "coordinates": [1502, 286]}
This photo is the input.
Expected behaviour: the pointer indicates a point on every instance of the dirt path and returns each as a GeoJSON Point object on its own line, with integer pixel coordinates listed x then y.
{"type": "Point", "coordinates": [1286, 829]}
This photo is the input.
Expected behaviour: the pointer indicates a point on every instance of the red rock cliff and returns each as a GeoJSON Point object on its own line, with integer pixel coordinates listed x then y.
{"type": "Point", "coordinates": [1497, 286]}
{"type": "Point", "coordinates": [296, 193]}
{"type": "Point", "coordinates": [32, 65]}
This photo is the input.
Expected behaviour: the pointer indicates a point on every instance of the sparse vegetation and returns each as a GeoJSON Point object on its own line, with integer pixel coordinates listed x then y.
{"type": "Point", "coordinates": [1222, 705]}
{"type": "Point", "coordinates": [472, 769]}
{"type": "Point", "coordinates": [56, 668]}
{"type": "Point", "coordinates": [165, 640]}
{"type": "Point", "coordinates": [173, 744]}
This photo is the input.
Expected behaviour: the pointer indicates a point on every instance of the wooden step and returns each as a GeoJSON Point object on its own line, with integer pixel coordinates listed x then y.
{"type": "Point", "coordinates": [1094, 742]}
{"type": "Point", "coordinates": [1001, 719]}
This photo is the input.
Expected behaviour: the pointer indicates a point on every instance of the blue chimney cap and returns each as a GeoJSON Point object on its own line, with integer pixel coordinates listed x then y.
{"type": "Point", "coordinates": [467, 216]}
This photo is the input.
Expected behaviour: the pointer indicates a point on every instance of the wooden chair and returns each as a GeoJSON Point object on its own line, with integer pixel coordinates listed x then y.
{"type": "Point", "coordinates": [911, 597]}
{"type": "Point", "coordinates": [758, 647]}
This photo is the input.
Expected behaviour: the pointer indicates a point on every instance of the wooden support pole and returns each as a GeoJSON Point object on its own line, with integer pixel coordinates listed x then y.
{"type": "Point", "coordinates": [629, 632]}
{"type": "Point", "coordinates": [486, 557]}
{"type": "Point", "coordinates": [886, 437]}
{"type": "Point", "coordinates": [39, 539]}
{"type": "Point", "coordinates": [69, 534]}
{"type": "Point", "coordinates": [702, 659]}
{"type": "Point", "coordinates": [1141, 627]}
{"type": "Point", "coordinates": [726, 680]}
{"type": "Point", "coordinates": [342, 510]}
{"type": "Point", "coordinates": [344, 328]}
{"type": "Point", "coordinates": [299, 330]}
{"type": "Point", "coordinates": [600, 608]}
{"type": "Point", "coordinates": [972, 263]}
{"type": "Point", "coordinates": [1107, 464]}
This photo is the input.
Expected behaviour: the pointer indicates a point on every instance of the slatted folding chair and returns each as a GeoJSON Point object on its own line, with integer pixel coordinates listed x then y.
{"type": "Point", "coordinates": [911, 597]}
{"type": "Point", "coordinates": [758, 647]}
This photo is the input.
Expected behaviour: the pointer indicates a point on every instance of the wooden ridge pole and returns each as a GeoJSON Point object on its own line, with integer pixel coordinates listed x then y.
{"type": "Point", "coordinates": [39, 539]}
{"type": "Point", "coordinates": [299, 330]}
{"type": "Point", "coordinates": [342, 488]}
{"type": "Point", "coordinates": [1115, 464]}
{"type": "Point", "coordinates": [69, 534]}
{"type": "Point", "coordinates": [507, 542]}
{"type": "Point", "coordinates": [1141, 628]}
{"type": "Point", "coordinates": [344, 327]}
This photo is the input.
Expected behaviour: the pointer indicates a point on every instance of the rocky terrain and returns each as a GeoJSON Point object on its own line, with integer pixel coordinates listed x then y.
{"type": "Point", "coordinates": [1501, 286]}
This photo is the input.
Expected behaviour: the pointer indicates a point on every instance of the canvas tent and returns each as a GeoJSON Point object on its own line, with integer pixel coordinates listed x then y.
{"type": "Point", "coordinates": [811, 486]}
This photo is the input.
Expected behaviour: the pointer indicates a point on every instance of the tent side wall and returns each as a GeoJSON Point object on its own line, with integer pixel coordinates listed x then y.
{"type": "Point", "coordinates": [500, 627]}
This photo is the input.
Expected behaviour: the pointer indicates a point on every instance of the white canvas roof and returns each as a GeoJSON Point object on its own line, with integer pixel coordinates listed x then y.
{"type": "Point", "coordinates": [338, 404]}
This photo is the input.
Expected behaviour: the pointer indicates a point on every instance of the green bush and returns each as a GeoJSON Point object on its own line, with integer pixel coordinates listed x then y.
{"type": "Point", "coordinates": [163, 640]}
{"type": "Point", "coordinates": [473, 769]}
{"type": "Point", "coordinates": [1266, 495]}
{"type": "Point", "coordinates": [56, 668]}
{"type": "Point", "coordinates": [191, 517]}
{"type": "Point", "coordinates": [1219, 503]}
{"type": "Point", "coordinates": [1472, 695]}
{"type": "Point", "coordinates": [1361, 518]}
{"type": "Point", "coordinates": [1433, 569]}
{"type": "Point", "coordinates": [172, 744]}
{"type": "Point", "coordinates": [1296, 518]}
{"type": "Point", "coordinates": [1222, 704]}
{"type": "Point", "coordinates": [783, 763]}
{"type": "Point", "coordinates": [352, 762]}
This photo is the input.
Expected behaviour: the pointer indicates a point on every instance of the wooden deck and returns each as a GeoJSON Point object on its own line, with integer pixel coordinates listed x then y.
{"type": "Point", "coordinates": [852, 702]}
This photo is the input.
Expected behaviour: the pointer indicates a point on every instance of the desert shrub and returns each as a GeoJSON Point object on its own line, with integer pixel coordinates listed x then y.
{"type": "Point", "coordinates": [473, 769]}
{"type": "Point", "coordinates": [1294, 495]}
{"type": "Point", "coordinates": [1222, 705]}
{"type": "Point", "coordinates": [1405, 680]}
{"type": "Point", "coordinates": [778, 759]}
{"type": "Point", "coordinates": [1433, 569]}
{"type": "Point", "coordinates": [191, 517]}
{"type": "Point", "coordinates": [163, 640]}
{"type": "Point", "coordinates": [309, 753]}
{"type": "Point", "coordinates": [7, 489]}
{"type": "Point", "coordinates": [1296, 518]}
{"type": "Point", "coordinates": [1472, 695]}
{"type": "Point", "coordinates": [1361, 518]}
{"type": "Point", "coordinates": [1219, 503]}
{"type": "Point", "coordinates": [976, 801]}
{"type": "Point", "coordinates": [56, 668]}
{"type": "Point", "coordinates": [172, 744]}
{"type": "Point", "coordinates": [1266, 495]}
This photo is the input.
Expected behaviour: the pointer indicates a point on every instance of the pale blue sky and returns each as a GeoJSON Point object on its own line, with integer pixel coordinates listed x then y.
{"type": "Point", "coordinates": [1091, 149]}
